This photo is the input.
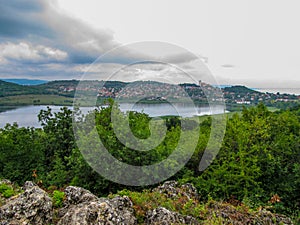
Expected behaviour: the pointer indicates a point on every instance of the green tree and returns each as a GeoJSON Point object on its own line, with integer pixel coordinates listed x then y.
{"type": "Point", "coordinates": [59, 139]}
{"type": "Point", "coordinates": [21, 153]}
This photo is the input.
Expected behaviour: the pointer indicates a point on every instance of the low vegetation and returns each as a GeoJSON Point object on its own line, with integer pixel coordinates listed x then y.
{"type": "Point", "coordinates": [58, 198]}
{"type": "Point", "coordinates": [6, 190]}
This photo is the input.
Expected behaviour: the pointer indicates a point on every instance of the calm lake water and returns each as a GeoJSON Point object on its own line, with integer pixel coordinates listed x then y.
{"type": "Point", "coordinates": [27, 116]}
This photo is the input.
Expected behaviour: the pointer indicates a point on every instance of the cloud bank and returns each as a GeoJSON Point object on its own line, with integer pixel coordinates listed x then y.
{"type": "Point", "coordinates": [38, 40]}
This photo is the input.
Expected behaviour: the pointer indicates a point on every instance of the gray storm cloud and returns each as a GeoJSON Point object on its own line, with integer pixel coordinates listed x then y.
{"type": "Point", "coordinates": [39, 23]}
{"type": "Point", "coordinates": [37, 39]}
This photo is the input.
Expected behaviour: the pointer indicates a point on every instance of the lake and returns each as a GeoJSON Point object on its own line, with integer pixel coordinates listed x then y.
{"type": "Point", "coordinates": [26, 116]}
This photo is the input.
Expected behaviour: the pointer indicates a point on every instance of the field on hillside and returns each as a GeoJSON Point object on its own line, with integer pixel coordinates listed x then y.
{"type": "Point", "coordinates": [18, 100]}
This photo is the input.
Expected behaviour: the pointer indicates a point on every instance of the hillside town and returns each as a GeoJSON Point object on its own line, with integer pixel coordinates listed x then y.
{"type": "Point", "coordinates": [198, 92]}
{"type": "Point", "coordinates": [142, 91]}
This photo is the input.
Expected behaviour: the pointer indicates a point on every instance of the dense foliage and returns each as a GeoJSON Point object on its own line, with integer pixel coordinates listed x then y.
{"type": "Point", "coordinates": [258, 164]}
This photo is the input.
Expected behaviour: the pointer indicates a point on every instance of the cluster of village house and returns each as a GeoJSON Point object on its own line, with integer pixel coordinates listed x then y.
{"type": "Point", "coordinates": [164, 91]}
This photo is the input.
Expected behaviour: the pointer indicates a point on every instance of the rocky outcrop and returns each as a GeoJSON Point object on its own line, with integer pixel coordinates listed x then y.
{"type": "Point", "coordinates": [81, 207]}
{"type": "Point", "coordinates": [76, 195]}
{"type": "Point", "coordinates": [5, 181]}
{"type": "Point", "coordinates": [231, 216]}
{"type": "Point", "coordinates": [33, 206]}
{"type": "Point", "coordinates": [172, 190]}
{"type": "Point", "coordinates": [163, 216]}
{"type": "Point", "coordinates": [84, 208]}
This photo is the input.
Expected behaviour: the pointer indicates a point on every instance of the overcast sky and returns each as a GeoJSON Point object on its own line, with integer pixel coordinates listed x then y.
{"type": "Point", "coordinates": [255, 42]}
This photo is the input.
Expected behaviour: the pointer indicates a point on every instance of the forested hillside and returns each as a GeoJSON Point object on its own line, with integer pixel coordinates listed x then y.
{"type": "Point", "coordinates": [258, 164]}
{"type": "Point", "coordinates": [8, 89]}
{"type": "Point", "coordinates": [50, 88]}
{"type": "Point", "coordinates": [25, 81]}
{"type": "Point", "coordinates": [239, 90]}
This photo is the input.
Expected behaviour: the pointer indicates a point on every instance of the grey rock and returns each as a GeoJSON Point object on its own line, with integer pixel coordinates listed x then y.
{"type": "Point", "coordinates": [5, 181]}
{"type": "Point", "coordinates": [163, 216]}
{"type": "Point", "coordinates": [190, 191]}
{"type": "Point", "coordinates": [76, 195]}
{"type": "Point", "coordinates": [84, 208]}
{"type": "Point", "coordinates": [266, 217]}
{"type": "Point", "coordinates": [172, 190]}
{"type": "Point", "coordinates": [28, 185]}
{"type": "Point", "coordinates": [33, 206]}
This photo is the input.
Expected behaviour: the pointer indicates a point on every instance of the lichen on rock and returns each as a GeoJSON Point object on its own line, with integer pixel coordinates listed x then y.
{"type": "Point", "coordinates": [164, 216]}
{"type": "Point", "coordinates": [33, 206]}
{"type": "Point", "coordinates": [84, 208]}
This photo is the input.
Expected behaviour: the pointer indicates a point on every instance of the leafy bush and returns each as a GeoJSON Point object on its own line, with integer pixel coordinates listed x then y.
{"type": "Point", "coordinates": [58, 198]}
{"type": "Point", "coordinates": [6, 190]}
{"type": "Point", "coordinates": [8, 193]}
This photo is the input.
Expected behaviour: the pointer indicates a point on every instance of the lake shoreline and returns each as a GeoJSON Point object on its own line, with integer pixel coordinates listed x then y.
{"type": "Point", "coordinates": [28, 115]}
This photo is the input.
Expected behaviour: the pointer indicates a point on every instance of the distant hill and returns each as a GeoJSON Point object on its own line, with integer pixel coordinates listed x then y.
{"type": "Point", "coordinates": [9, 89]}
{"type": "Point", "coordinates": [55, 92]}
{"type": "Point", "coordinates": [25, 81]}
{"type": "Point", "coordinates": [49, 88]}
{"type": "Point", "coordinates": [222, 86]}
{"type": "Point", "coordinates": [59, 87]}
{"type": "Point", "coordinates": [239, 89]}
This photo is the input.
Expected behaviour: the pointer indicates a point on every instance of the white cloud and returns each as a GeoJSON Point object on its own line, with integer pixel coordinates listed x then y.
{"type": "Point", "coordinates": [18, 51]}
{"type": "Point", "coordinates": [25, 51]}
{"type": "Point", "coordinates": [52, 53]}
